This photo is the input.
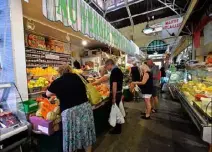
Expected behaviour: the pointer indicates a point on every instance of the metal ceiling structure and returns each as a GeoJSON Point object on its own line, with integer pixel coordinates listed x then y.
{"type": "Point", "coordinates": [122, 13]}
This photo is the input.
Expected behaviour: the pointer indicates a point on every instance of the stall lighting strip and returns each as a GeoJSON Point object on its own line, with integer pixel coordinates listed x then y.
{"type": "Point", "coordinates": [65, 32]}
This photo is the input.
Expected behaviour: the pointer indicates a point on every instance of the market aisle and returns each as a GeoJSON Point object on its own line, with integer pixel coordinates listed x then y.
{"type": "Point", "coordinates": [168, 131]}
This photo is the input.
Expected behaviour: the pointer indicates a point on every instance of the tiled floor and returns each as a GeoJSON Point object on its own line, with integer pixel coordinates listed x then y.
{"type": "Point", "coordinates": [170, 130]}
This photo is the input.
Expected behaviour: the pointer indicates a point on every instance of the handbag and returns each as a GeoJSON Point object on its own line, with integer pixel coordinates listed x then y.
{"type": "Point", "coordinates": [94, 96]}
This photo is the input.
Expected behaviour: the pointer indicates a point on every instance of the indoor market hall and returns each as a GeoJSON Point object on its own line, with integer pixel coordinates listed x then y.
{"type": "Point", "coordinates": [105, 75]}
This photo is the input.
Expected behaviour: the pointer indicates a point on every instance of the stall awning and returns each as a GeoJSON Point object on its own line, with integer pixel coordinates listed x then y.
{"type": "Point", "coordinates": [78, 16]}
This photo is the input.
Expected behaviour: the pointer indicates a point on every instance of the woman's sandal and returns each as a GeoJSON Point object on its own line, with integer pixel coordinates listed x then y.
{"type": "Point", "coordinates": [144, 117]}
{"type": "Point", "coordinates": [154, 110]}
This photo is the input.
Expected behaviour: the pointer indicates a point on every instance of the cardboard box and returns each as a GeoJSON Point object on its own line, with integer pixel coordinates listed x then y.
{"type": "Point", "coordinates": [45, 126]}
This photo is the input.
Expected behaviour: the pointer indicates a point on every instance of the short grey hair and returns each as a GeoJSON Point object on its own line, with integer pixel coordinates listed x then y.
{"type": "Point", "coordinates": [110, 61]}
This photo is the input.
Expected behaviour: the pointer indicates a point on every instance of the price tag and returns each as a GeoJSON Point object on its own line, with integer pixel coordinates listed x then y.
{"type": "Point", "coordinates": [50, 56]}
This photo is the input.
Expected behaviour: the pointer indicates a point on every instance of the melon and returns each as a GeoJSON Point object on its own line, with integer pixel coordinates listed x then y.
{"type": "Point", "coordinates": [51, 116]}
{"type": "Point", "coordinates": [57, 110]}
{"type": "Point", "coordinates": [38, 113]}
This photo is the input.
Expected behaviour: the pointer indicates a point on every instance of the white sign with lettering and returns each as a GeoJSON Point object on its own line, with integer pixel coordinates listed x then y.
{"type": "Point", "coordinates": [171, 27]}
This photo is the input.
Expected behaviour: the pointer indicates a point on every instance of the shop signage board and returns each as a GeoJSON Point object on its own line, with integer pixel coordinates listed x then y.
{"type": "Point", "coordinates": [78, 15]}
{"type": "Point", "coordinates": [171, 27]}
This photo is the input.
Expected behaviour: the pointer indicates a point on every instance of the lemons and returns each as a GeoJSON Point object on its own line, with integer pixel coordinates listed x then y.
{"type": "Point", "coordinates": [40, 82]}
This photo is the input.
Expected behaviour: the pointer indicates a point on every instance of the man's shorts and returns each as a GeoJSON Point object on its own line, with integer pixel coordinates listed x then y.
{"type": "Point", "coordinates": [155, 91]}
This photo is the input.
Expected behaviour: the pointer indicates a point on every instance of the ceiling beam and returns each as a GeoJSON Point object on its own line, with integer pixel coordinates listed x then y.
{"type": "Point", "coordinates": [100, 9]}
{"type": "Point", "coordinates": [164, 3]}
{"type": "Point", "coordinates": [129, 13]}
{"type": "Point", "coordinates": [185, 18]}
{"type": "Point", "coordinates": [174, 4]}
{"type": "Point", "coordinates": [122, 6]}
{"type": "Point", "coordinates": [143, 13]}
{"type": "Point", "coordinates": [188, 13]}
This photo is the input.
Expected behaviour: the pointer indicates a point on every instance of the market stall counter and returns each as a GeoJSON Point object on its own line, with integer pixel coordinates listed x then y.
{"type": "Point", "coordinates": [53, 143]}
{"type": "Point", "coordinates": [195, 96]}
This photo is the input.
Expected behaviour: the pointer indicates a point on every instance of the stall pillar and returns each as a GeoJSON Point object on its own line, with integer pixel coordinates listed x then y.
{"type": "Point", "coordinates": [18, 47]}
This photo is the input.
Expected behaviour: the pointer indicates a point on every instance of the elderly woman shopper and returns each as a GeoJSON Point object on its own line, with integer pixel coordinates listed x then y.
{"type": "Point", "coordinates": [77, 114]}
{"type": "Point", "coordinates": [146, 86]}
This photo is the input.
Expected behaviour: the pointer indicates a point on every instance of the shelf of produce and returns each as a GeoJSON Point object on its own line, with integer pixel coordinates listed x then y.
{"type": "Point", "coordinates": [43, 58]}
{"type": "Point", "coordinates": [203, 124]}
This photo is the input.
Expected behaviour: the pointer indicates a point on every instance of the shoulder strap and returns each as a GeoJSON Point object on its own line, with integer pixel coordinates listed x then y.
{"type": "Point", "coordinates": [83, 80]}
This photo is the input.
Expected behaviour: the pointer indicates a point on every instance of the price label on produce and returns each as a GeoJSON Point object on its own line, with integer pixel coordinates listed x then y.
{"type": "Point", "coordinates": [50, 56]}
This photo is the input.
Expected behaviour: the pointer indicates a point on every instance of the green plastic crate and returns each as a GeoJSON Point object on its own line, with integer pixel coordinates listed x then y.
{"type": "Point", "coordinates": [29, 106]}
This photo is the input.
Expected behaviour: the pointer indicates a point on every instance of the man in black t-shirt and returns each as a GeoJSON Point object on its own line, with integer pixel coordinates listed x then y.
{"type": "Point", "coordinates": [116, 84]}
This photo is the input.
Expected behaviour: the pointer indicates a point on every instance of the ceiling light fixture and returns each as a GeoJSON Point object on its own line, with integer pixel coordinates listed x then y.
{"type": "Point", "coordinates": [151, 29]}
{"type": "Point", "coordinates": [148, 30]}
{"type": "Point", "coordinates": [84, 43]}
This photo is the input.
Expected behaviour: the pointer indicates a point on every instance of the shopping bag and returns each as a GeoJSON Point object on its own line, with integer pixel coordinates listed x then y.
{"type": "Point", "coordinates": [112, 118]}
{"type": "Point", "coordinates": [94, 96]}
{"type": "Point", "coordinates": [137, 89]}
{"type": "Point", "coordinates": [165, 87]}
{"type": "Point", "coordinates": [119, 116]}
{"type": "Point", "coordinates": [121, 107]}
{"type": "Point", "coordinates": [116, 116]}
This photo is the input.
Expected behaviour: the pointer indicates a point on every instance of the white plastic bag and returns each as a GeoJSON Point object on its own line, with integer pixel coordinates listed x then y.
{"type": "Point", "coordinates": [112, 118]}
{"type": "Point", "coordinates": [116, 116]}
{"type": "Point", "coordinates": [137, 89]}
{"type": "Point", "coordinates": [119, 117]}
{"type": "Point", "coordinates": [165, 87]}
{"type": "Point", "coordinates": [121, 107]}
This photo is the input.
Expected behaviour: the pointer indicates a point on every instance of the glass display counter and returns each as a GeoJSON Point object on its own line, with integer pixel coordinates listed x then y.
{"type": "Point", "coordinates": [174, 79]}
{"type": "Point", "coordinates": [195, 96]}
{"type": "Point", "coordinates": [14, 128]}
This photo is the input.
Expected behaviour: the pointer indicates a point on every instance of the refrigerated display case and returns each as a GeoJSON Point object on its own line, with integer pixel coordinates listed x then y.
{"type": "Point", "coordinates": [174, 78]}
{"type": "Point", "coordinates": [195, 96]}
{"type": "Point", "coordinates": [14, 127]}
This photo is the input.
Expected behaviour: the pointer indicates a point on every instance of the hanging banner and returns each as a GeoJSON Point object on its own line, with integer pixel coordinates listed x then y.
{"type": "Point", "coordinates": [81, 17]}
{"type": "Point", "coordinates": [171, 27]}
